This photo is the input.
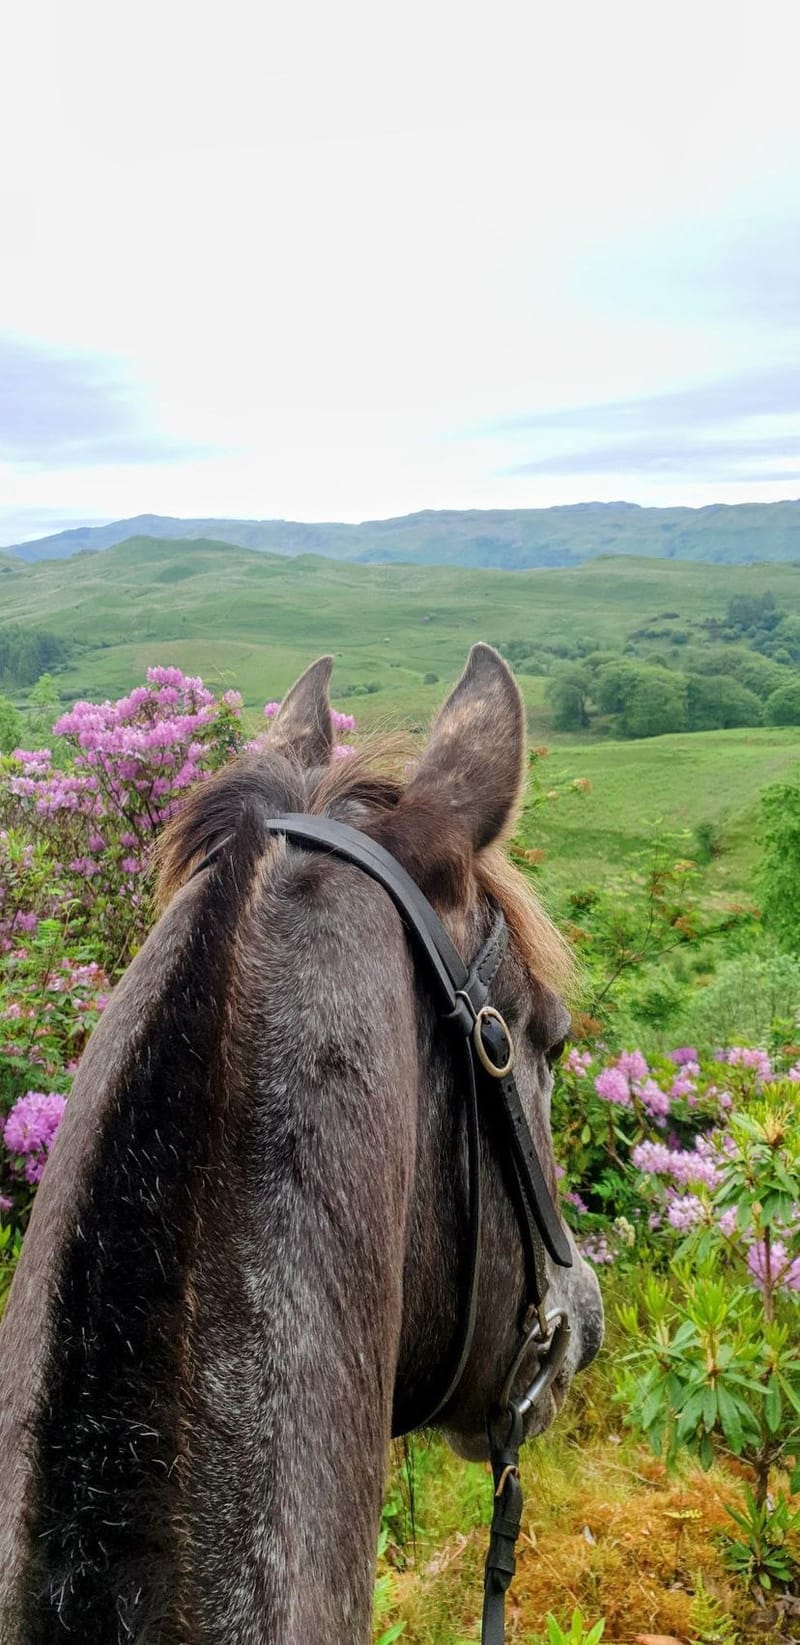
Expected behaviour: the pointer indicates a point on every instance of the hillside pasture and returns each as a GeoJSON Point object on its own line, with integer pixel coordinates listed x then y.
{"type": "Point", "coordinates": [672, 784]}
{"type": "Point", "coordinates": [253, 620]}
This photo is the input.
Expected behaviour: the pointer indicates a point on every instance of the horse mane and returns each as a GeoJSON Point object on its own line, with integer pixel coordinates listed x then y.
{"type": "Point", "coordinates": [364, 787]}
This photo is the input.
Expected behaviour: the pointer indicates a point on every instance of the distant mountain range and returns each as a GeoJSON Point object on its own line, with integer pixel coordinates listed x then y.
{"type": "Point", "coordinates": [500, 539]}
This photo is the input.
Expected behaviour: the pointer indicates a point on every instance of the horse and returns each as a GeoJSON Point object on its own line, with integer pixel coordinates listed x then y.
{"type": "Point", "coordinates": [244, 1268]}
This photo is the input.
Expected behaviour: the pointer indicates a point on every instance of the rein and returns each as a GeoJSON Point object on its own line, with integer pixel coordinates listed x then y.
{"type": "Point", "coordinates": [483, 1042]}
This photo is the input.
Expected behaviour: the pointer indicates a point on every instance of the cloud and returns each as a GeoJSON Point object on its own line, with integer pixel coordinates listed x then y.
{"type": "Point", "coordinates": [654, 457]}
{"type": "Point", "coordinates": [744, 427]}
{"type": "Point", "coordinates": [17, 525]}
{"type": "Point", "coordinates": [775, 392]}
{"type": "Point", "coordinates": [62, 409]}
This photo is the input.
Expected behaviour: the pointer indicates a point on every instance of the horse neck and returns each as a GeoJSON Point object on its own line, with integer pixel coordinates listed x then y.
{"type": "Point", "coordinates": [220, 1359]}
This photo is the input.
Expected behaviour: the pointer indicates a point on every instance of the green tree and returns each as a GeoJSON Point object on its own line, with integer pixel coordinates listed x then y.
{"type": "Point", "coordinates": [43, 710]}
{"type": "Point", "coordinates": [716, 702]}
{"type": "Point", "coordinates": [656, 705]}
{"type": "Point", "coordinates": [616, 683]}
{"type": "Point", "coordinates": [10, 726]}
{"type": "Point", "coordinates": [567, 692]}
{"type": "Point", "coordinates": [780, 868]}
{"type": "Point", "coordinates": [783, 707]}
{"type": "Point", "coordinates": [647, 700]}
{"type": "Point", "coordinates": [754, 671]}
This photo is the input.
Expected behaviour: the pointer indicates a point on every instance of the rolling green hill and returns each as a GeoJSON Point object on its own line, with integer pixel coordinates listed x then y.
{"type": "Point", "coordinates": [506, 539]}
{"type": "Point", "coordinates": [254, 620]}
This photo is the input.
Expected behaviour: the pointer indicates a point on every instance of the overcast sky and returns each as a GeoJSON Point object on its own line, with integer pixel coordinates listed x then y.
{"type": "Point", "coordinates": [341, 261]}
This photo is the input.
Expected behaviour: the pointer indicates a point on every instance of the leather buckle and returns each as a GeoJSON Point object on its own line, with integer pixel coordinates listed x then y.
{"type": "Point", "coordinates": [487, 1014]}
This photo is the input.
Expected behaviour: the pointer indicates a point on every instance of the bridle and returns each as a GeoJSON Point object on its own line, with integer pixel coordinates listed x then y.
{"type": "Point", "coordinates": [484, 1042]}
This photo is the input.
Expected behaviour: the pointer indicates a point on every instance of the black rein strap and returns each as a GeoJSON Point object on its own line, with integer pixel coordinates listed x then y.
{"type": "Point", "coordinates": [461, 997]}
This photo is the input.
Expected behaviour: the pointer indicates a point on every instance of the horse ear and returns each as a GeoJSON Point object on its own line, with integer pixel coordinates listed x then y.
{"type": "Point", "coordinates": [303, 723]}
{"type": "Point", "coordinates": [474, 760]}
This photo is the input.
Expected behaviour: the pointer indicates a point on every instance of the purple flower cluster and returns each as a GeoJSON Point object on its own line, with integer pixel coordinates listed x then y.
{"type": "Point", "coordinates": [775, 1266]}
{"type": "Point", "coordinates": [578, 1062]}
{"type": "Point", "coordinates": [132, 760]}
{"type": "Point", "coordinates": [750, 1057]}
{"type": "Point", "coordinates": [597, 1250]}
{"type": "Point", "coordinates": [684, 1166]}
{"type": "Point", "coordinates": [629, 1080]}
{"type": "Point", "coordinates": [30, 1129]}
{"type": "Point", "coordinates": [684, 1054]}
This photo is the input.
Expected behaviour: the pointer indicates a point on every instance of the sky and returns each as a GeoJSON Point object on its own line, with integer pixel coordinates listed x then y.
{"type": "Point", "coordinates": [346, 260]}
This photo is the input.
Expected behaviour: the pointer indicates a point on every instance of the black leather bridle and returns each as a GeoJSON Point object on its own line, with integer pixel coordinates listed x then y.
{"type": "Point", "coordinates": [483, 1039]}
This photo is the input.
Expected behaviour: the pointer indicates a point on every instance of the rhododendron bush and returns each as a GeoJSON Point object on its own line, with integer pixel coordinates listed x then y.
{"type": "Point", "coordinates": [77, 829]}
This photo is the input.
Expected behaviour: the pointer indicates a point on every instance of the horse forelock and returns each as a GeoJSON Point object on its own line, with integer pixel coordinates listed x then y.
{"type": "Point", "coordinates": [369, 789]}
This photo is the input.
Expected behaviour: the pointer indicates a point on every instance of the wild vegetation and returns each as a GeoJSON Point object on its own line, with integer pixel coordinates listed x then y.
{"type": "Point", "coordinates": [615, 648]}
{"type": "Point", "coordinates": [676, 1123]}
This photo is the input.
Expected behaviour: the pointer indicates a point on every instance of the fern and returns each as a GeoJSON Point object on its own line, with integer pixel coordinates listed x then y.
{"type": "Point", "coordinates": [708, 1621]}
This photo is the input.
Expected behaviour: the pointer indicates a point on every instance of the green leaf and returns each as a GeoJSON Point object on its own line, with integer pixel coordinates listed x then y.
{"type": "Point", "coordinates": [389, 1636]}
{"type": "Point", "coordinates": [773, 1407]}
{"type": "Point", "coordinates": [730, 1418]}
{"type": "Point", "coordinates": [792, 1394]}
{"type": "Point", "coordinates": [709, 1408]}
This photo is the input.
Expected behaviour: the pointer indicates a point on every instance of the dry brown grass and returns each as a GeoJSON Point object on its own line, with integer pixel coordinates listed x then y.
{"type": "Point", "coordinates": [604, 1529]}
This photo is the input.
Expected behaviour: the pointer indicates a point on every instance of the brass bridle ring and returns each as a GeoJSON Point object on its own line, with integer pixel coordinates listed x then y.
{"type": "Point", "coordinates": [487, 1013]}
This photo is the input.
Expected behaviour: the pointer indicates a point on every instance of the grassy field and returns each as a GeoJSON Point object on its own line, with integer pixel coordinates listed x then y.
{"type": "Point", "coordinates": [672, 783]}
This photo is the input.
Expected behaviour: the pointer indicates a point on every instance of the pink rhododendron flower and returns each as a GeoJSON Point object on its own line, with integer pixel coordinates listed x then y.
{"type": "Point", "coordinates": [779, 1268]}
{"type": "Point", "coordinates": [596, 1249]}
{"type": "Point", "coordinates": [682, 1087]}
{"type": "Point", "coordinates": [747, 1056]}
{"type": "Point", "coordinates": [31, 1127]}
{"type": "Point", "coordinates": [578, 1062]}
{"type": "Point", "coordinates": [683, 1165]}
{"type": "Point", "coordinates": [633, 1065]}
{"type": "Point", "coordinates": [655, 1101]}
{"type": "Point", "coordinates": [612, 1086]}
{"type": "Point", "coordinates": [684, 1211]}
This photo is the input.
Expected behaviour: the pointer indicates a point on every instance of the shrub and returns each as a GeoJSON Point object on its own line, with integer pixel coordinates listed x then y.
{"type": "Point", "coordinates": [780, 868]}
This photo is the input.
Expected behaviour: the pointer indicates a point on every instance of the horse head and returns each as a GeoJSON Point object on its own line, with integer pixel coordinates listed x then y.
{"type": "Point", "coordinates": [247, 1262]}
